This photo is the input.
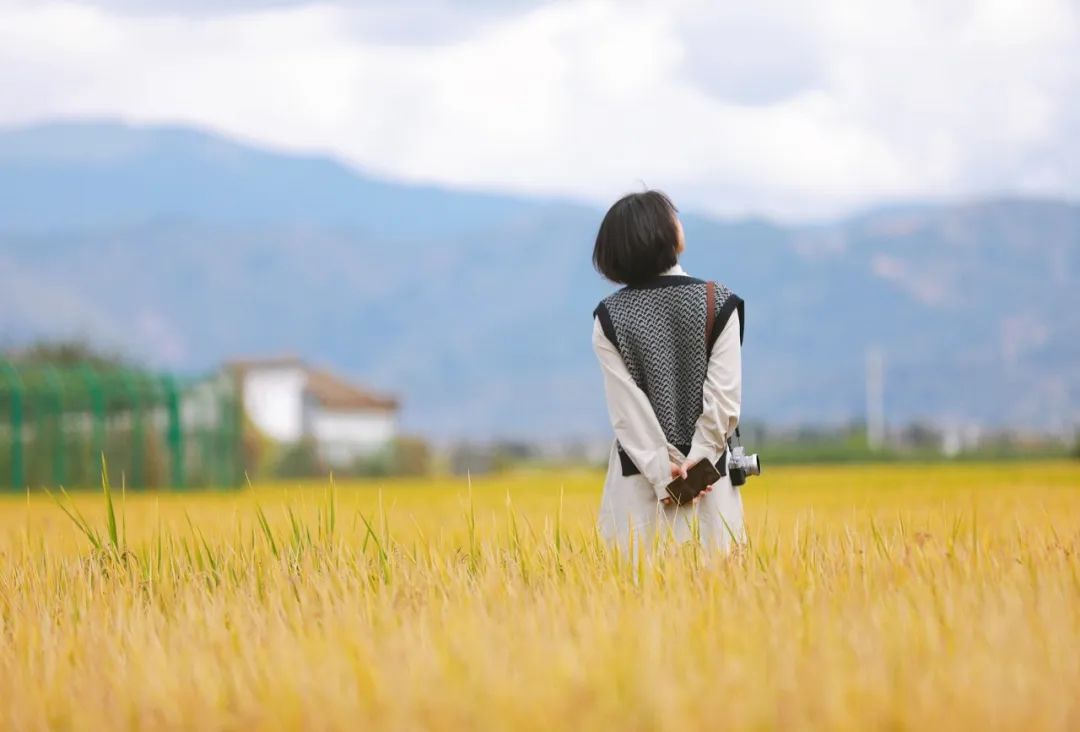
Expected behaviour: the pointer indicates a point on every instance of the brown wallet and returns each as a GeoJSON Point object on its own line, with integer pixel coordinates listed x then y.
{"type": "Point", "coordinates": [701, 475]}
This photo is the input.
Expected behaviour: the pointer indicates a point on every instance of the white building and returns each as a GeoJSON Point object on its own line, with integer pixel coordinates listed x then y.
{"type": "Point", "coordinates": [287, 400]}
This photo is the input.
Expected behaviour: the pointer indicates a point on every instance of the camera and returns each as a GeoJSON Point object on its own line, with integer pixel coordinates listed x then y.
{"type": "Point", "coordinates": [741, 465]}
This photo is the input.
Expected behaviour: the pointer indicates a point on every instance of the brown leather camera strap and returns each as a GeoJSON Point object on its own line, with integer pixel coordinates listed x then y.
{"type": "Point", "coordinates": [710, 310]}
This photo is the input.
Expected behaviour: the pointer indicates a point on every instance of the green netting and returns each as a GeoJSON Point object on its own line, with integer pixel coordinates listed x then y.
{"type": "Point", "coordinates": [154, 430]}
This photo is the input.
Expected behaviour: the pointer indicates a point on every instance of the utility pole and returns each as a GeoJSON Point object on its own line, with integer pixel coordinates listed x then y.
{"type": "Point", "coordinates": [875, 398]}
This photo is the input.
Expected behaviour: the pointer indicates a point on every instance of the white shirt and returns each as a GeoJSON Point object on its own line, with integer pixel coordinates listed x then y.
{"type": "Point", "coordinates": [631, 504]}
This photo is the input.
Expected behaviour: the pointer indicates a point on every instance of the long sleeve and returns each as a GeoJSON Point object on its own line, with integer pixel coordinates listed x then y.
{"type": "Point", "coordinates": [721, 397]}
{"type": "Point", "coordinates": [632, 417]}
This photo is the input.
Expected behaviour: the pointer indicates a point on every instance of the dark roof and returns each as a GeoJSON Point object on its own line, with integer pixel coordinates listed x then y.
{"type": "Point", "coordinates": [334, 392]}
{"type": "Point", "coordinates": [270, 362]}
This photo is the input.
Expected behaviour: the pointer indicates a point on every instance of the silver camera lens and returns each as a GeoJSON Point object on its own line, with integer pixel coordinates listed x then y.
{"type": "Point", "coordinates": [742, 465]}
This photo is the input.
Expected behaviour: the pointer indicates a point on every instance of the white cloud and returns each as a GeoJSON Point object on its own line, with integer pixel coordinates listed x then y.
{"type": "Point", "coordinates": [781, 108]}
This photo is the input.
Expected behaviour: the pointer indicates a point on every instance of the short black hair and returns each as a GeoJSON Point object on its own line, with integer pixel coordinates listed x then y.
{"type": "Point", "coordinates": [638, 239]}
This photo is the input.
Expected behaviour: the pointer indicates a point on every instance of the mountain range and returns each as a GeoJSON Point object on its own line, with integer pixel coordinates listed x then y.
{"type": "Point", "coordinates": [184, 248]}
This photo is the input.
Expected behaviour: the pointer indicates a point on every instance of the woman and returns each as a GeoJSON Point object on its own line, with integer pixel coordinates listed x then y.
{"type": "Point", "coordinates": [672, 377]}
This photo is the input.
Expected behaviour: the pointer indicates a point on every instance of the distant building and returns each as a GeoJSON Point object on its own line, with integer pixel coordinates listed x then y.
{"type": "Point", "coordinates": [287, 400]}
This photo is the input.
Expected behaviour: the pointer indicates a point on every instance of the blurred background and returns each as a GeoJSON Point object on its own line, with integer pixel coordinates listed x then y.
{"type": "Point", "coordinates": [283, 237]}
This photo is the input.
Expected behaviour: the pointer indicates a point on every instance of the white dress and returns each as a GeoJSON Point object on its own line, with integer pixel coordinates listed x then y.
{"type": "Point", "coordinates": [630, 509]}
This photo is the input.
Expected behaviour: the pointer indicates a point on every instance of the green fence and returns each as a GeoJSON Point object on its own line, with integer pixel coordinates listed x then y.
{"type": "Point", "coordinates": [154, 430]}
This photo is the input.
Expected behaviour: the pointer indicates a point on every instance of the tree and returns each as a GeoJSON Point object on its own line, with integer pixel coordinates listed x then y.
{"type": "Point", "coordinates": [412, 456]}
{"type": "Point", "coordinates": [300, 460]}
{"type": "Point", "coordinates": [65, 353]}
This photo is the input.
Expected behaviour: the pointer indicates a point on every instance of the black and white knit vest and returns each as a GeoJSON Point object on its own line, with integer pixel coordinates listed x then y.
{"type": "Point", "coordinates": [659, 329]}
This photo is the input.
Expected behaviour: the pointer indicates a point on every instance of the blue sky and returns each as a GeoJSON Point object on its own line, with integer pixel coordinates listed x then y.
{"type": "Point", "coordinates": [793, 109]}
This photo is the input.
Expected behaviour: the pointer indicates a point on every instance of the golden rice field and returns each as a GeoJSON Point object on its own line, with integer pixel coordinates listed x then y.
{"type": "Point", "coordinates": [870, 597]}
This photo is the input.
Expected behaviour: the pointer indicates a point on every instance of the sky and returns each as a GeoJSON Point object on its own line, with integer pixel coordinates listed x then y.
{"type": "Point", "coordinates": [798, 110]}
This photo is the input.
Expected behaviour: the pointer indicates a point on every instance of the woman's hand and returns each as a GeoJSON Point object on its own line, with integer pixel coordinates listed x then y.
{"type": "Point", "coordinates": [679, 471]}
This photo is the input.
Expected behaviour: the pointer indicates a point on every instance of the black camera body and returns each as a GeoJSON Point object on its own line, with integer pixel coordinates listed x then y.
{"type": "Point", "coordinates": [741, 466]}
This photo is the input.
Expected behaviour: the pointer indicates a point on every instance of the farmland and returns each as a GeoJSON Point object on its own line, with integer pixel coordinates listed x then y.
{"type": "Point", "coordinates": [870, 596]}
